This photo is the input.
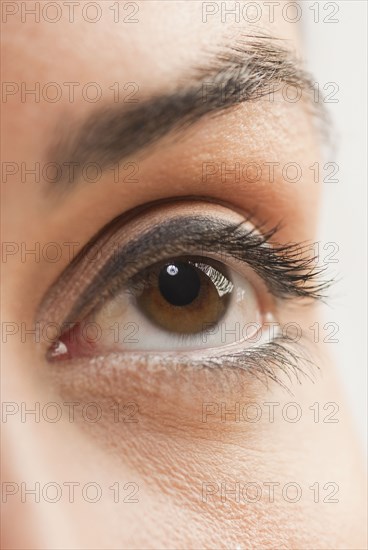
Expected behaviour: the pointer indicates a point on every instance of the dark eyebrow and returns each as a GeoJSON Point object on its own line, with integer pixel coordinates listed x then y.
{"type": "Point", "coordinates": [245, 72]}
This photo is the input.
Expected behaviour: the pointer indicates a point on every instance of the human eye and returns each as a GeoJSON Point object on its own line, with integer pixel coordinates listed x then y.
{"type": "Point", "coordinates": [189, 279]}
{"type": "Point", "coordinates": [180, 303]}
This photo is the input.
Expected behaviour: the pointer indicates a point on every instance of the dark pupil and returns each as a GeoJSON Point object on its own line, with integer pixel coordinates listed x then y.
{"type": "Point", "coordinates": [179, 283]}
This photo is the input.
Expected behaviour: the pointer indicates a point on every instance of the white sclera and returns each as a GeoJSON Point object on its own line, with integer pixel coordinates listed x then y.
{"type": "Point", "coordinates": [125, 327]}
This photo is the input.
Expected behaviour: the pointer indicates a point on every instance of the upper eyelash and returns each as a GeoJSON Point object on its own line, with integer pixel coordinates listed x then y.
{"type": "Point", "coordinates": [289, 271]}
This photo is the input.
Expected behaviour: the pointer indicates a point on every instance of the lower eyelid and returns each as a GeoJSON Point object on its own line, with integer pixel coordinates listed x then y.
{"type": "Point", "coordinates": [243, 371]}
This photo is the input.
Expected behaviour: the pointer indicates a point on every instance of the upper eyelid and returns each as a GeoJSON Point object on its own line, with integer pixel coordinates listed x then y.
{"type": "Point", "coordinates": [287, 270]}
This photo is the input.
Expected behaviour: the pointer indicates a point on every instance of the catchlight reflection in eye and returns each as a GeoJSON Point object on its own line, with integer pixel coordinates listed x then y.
{"type": "Point", "coordinates": [185, 303]}
{"type": "Point", "coordinates": [184, 296]}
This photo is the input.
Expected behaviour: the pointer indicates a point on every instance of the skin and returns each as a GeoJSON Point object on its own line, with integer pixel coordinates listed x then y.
{"type": "Point", "coordinates": [170, 453]}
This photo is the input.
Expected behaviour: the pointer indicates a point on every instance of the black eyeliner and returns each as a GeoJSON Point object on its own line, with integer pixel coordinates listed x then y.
{"type": "Point", "coordinates": [288, 271]}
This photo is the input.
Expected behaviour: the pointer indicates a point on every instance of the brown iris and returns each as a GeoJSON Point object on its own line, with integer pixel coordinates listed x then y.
{"type": "Point", "coordinates": [184, 295]}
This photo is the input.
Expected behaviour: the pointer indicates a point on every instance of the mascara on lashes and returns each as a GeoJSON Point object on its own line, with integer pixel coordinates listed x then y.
{"type": "Point", "coordinates": [287, 270]}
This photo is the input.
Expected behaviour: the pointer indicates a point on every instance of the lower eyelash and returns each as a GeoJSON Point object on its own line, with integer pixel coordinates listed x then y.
{"type": "Point", "coordinates": [282, 361]}
{"type": "Point", "coordinates": [277, 360]}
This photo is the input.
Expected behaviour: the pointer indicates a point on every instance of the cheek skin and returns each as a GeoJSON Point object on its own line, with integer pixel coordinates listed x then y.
{"type": "Point", "coordinates": [187, 459]}
{"type": "Point", "coordinates": [170, 454]}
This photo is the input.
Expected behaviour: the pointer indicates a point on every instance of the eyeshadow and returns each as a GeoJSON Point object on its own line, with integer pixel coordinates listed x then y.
{"type": "Point", "coordinates": [286, 270]}
{"type": "Point", "coordinates": [130, 244]}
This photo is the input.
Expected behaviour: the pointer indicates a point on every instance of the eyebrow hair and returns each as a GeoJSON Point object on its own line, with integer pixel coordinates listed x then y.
{"type": "Point", "coordinates": [242, 73]}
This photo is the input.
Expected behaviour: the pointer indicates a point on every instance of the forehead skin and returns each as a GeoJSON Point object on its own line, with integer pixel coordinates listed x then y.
{"type": "Point", "coordinates": [169, 457]}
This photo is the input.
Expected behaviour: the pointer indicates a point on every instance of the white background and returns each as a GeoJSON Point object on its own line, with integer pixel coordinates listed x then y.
{"type": "Point", "coordinates": [337, 52]}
